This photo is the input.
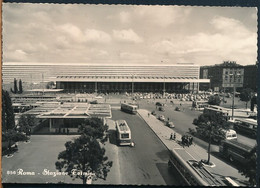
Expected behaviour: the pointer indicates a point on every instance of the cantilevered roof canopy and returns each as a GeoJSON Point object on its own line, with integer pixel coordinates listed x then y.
{"type": "Point", "coordinates": [130, 79]}
{"type": "Point", "coordinates": [71, 111]}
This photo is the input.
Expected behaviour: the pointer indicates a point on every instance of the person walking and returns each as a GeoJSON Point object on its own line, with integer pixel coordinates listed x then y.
{"type": "Point", "coordinates": [171, 136]}
{"type": "Point", "coordinates": [174, 136]}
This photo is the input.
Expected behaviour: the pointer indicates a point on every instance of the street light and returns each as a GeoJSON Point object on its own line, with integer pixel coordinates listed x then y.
{"type": "Point", "coordinates": [210, 127]}
{"type": "Point", "coordinates": [132, 86]}
{"type": "Point", "coordinates": [164, 86]}
{"type": "Point", "coordinates": [234, 91]}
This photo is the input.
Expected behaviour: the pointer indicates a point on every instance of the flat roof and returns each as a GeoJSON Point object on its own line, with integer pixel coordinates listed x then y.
{"type": "Point", "coordinates": [71, 111]}
{"type": "Point", "coordinates": [248, 120]}
{"type": "Point", "coordinates": [130, 79]}
{"type": "Point", "coordinates": [45, 90]}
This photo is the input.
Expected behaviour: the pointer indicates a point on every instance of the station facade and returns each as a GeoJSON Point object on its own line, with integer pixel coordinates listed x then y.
{"type": "Point", "coordinates": [109, 78]}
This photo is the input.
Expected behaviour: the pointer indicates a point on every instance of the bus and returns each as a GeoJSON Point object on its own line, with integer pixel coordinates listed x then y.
{"type": "Point", "coordinates": [217, 109]}
{"type": "Point", "coordinates": [234, 150]}
{"type": "Point", "coordinates": [199, 105]}
{"type": "Point", "coordinates": [129, 108]}
{"type": "Point", "coordinates": [123, 133]}
{"type": "Point", "coordinates": [246, 126]}
{"type": "Point", "coordinates": [191, 171]}
{"type": "Point", "coordinates": [229, 134]}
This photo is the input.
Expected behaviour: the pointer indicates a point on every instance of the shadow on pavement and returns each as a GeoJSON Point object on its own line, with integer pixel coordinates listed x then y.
{"type": "Point", "coordinates": [163, 155]}
{"type": "Point", "coordinates": [112, 136]}
{"type": "Point", "coordinates": [170, 176]}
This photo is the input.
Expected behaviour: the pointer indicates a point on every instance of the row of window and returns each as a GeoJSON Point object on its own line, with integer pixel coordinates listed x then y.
{"type": "Point", "coordinates": [188, 177]}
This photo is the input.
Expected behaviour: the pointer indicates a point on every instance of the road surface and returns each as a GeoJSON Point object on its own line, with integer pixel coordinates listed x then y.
{"type": "Point", "coordinates": [146, 163]}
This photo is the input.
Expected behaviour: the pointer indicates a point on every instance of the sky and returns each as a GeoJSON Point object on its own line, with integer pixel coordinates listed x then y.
{"type": "Point", "coordinates": [128, 34]}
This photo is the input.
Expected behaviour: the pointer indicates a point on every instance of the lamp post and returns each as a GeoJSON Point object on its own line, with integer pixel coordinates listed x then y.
{"type": "Point", "coordinates": [234, 91]}
{"type": "Point", "coordinates": [164, 86]}
{"type": "Point", "coordinates": [132, 86]}
{"type": "Point", "coordinates": [209, 81]}
{"type": "Point", "coordinates": [96, 84]}
{"type": "Point", "coordinates": [210, 130]}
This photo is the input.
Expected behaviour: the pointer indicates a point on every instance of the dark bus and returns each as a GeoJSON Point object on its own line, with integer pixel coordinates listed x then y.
{"type": "Point", "coordinates": [129, 108]}
{"type": "Point", "coordinates": [190, 171]}
{"type": "Point", "coordinates": [234, 151]}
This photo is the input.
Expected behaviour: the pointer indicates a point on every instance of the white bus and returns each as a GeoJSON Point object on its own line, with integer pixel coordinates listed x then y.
{"type": "Point", "coordinates": [246, 126]}
{"type": "Point", "coordinates": [199, 105]}
{"type": "Point", "coordinates": [130, 108]}
{"type": "Point", "coordinates": [123, 133]}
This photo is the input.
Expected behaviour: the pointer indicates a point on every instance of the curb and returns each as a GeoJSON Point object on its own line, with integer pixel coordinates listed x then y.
{"type": "Point", "coordinates": [155, 132]}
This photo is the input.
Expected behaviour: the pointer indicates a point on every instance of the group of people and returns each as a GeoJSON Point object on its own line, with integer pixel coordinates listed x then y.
{"type": "Point", "coordinates": [186, 140]}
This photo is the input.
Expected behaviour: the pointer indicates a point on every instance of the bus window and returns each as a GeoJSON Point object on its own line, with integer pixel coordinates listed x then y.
{"type": "Point", "coordinates": [126, 135]}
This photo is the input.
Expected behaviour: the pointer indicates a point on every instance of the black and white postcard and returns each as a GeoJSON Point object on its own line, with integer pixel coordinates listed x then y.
{"type": "Point", "coordinates": [129, 94]}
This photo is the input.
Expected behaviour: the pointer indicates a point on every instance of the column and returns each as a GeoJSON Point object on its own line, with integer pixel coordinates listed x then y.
{"type": "Point", "coordinates": [50, 123]}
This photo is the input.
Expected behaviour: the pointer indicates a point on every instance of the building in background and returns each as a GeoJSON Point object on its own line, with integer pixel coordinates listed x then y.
{"type": "Point", "coordinates": [223, 77]}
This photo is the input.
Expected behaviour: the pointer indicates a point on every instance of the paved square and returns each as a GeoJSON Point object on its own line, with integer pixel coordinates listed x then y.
{"type": "Point", "coordinates": [41, 153]}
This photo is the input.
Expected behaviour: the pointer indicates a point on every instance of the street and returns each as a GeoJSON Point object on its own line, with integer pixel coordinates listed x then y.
{"type": "Point", "coordinates": [146, 163]}
{"type": "Point", "coordinates": [183, 119]}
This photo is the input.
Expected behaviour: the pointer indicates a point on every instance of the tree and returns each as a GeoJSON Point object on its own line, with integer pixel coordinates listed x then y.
{"type": "Point", "coordinates": [248, 168]}
{"type": "Point", "coordinates": [7, 112]}
{"type": "Point", "coordinates": [15, 87]}
{"type": "Point", "coordinates": [20, 86]}
{"type": "Point", "coordinates": [94, 128]}
{"type": "Point", "coordinates": [211, 126]}
{"type": "Point", "coordinates": [84, 156]}
{"type": "Point", "coordinates": [214, 100]}
{"type": "Point", "coordinates": [25, 123]}
{"type": "Point", "coordinates": [246, 95]}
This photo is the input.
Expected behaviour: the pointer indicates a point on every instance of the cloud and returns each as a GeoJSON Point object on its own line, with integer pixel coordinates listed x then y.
{"type": "Point", "coordinates": [229, 26]}
{"type": "Point", "coordinates": [127, 56]}
{"type": "Point", "coordinates": [92, 35]}
{"type": "Point", "coordinates": [71, 31]}
{"type": "Point", "coordinates": [162, 15]}
{"type": "Point", "coordinates": [124, 17]}
{"type": "Point", "coordinates": [126, 36]}
{"type": "Point", "coordinates": [16, 55]}
{"type": "Point", "coordinates": [228, 39]}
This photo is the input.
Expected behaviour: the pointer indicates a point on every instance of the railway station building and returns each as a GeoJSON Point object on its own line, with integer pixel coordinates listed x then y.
{"type": "Point", "coordinates": [109, 78]}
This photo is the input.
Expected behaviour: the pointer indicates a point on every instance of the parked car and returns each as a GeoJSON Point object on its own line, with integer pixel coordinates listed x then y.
{"type": "Point", "coordinates": [170, 124]}
{"type": "Point", "coordinates": [93, 102]}
{"type": "Point", "coordinates": [161, 117]}
{"type": "Point", "coordinates": [153, 113]}
{"type": "Point", "coordinates": [161, 108]}
{"type": "Point", "coordinates": [158, 104]}
{"type": "Point", "coordinates": [177, 109]}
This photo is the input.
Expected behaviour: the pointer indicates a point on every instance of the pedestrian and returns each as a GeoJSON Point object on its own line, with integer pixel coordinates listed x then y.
{"type": "Point", "coordinates": [191, 140]}
{"type": "Point", "coordinates": [148, 114]}
{"type": "Point", "coordinates": [171, 136]}
{"type": "Point", "coordinates": [180, 104]}
{"type": "Point", "coordinates": [168, 119]}
{"type": "Point", "coordinates": [174, 136]}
